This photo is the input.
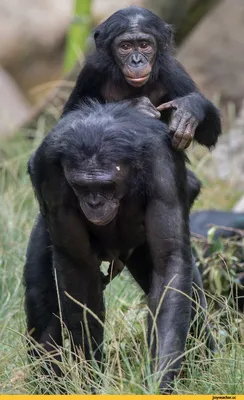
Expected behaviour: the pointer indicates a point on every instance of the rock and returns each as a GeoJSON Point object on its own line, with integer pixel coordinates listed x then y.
{"type": "Point", "coordinates": [32, 39]}
{"type": "Point", "coordinates": [213, 52]}
{"type": "Point", "coordinates": [183, 15]}
{"type": "Point", "coordinates": [103, 9]}
{"type": "Point", "coordinates": [239, 207]}
{"type": "Point", "coordinates": [14, 108]}
{"type": "Point", "coordinates": [28, 26]}
{"type": "Point", "coordinates": [228, 156]}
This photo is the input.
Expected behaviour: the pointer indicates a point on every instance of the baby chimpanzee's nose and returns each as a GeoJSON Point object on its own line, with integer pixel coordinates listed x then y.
{"type": "Point", "coordinates": [136, 60]}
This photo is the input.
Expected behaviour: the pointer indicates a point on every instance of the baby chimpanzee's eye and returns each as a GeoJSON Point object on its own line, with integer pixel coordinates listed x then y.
{"type": "Point", "coordinates": [125, 46]}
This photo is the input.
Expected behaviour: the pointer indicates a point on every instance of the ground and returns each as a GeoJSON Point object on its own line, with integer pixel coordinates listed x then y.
{"type": "Point", "coordinates": [127, 362]}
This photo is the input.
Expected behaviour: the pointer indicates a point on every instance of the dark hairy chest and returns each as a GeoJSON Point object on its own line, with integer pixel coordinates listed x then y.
{"type": "Point", "coordinates": [112, 92]}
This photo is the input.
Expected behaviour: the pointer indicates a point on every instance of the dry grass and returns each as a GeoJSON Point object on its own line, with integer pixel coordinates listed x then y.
{"type": "Point", "coordinates": [126, 366]}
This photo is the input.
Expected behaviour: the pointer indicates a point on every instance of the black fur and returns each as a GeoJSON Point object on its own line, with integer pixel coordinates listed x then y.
{"type": "Point", "coordinates": [168, 77]}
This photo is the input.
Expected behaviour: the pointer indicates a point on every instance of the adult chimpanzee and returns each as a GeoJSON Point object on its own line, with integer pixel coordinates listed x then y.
{"type": "Point", "coordinates": [133, 58]}
{"type": "Point", "coordinates": [102, 195]}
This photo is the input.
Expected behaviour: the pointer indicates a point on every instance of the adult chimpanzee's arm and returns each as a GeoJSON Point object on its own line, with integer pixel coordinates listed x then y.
{"type": "Point", "coordinates": [171, 284]}
{"type": "Point", "coordinates": [194, 187]}
{"type": "Point", "coordinates": [77, 267]}
{"type": "Point", "coordinates": [38, 174]}
{"type": "Point", "coordinates": [193, 115]}
{"type": "Point", "coordinates": [79, 281]}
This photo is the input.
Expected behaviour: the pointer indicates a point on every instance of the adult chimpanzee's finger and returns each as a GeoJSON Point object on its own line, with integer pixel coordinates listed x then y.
{"type": "Point", "coordinates": [165, 106]}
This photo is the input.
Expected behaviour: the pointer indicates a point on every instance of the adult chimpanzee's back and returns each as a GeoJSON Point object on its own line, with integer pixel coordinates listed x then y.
{"type": "Point", "coordinates": [110, 188]}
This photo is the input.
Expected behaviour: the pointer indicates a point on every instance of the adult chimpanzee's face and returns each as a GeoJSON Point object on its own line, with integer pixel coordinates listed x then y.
{"type": "Point", "coordinates": [135, 54]}
{"type": "Point", "coordinates": [99, 191]}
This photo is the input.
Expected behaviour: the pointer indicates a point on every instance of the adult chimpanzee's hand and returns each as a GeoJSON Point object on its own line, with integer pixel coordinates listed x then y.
{"type": "Point", "coordinates": [188, 112]}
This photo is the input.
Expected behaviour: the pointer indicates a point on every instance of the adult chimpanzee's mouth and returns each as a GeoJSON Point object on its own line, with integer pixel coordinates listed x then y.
{"type": "Point", "coordinates": [105, 221]}
{"type": "Point", "coordinates": [137, 81]}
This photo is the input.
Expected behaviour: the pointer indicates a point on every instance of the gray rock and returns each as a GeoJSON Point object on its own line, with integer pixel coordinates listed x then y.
{"type": "Point", "coordinates": [239, 207]}
{"type": "Point", "coordinates": [14, 108]}
{"type": "Point", "coordinates": [213, 52]}
{"type": "Point", "coordinates": [228, 156]}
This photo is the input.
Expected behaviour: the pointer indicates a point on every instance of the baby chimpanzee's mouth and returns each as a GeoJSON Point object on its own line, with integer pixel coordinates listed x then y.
{"type": "Point", "coordinates": [137, 81]}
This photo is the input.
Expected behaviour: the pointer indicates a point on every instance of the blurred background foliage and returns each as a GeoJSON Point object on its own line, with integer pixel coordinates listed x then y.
{"type": "Point", "coordinates": [77, 33]}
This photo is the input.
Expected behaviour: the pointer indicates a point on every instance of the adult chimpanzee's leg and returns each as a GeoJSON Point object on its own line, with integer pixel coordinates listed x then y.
{"type": "Point", "coordinates": [170, 295]}
{"type": "Point", "coordinates": [170, 292]}
{"type": "Point", "coordinates": [41, 304]}
{"type": "Point", "coordinates": [82, 282]}
{"type": "Point", "coordinates": [200, 300]}
{"type": "Point", "coordinates": [140, 266]}
{"type": "Point", "coordinates": [78, 275]}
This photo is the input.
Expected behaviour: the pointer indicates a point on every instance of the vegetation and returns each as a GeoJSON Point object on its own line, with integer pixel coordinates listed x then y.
{"type": "Point", "coordinates": [126, 367]}
{"type": "Point", "coordinates": [78, 32]}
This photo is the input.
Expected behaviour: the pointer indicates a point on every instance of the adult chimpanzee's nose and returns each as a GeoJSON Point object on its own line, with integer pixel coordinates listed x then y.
{"type": "Point", "coordinates": [136, 59]}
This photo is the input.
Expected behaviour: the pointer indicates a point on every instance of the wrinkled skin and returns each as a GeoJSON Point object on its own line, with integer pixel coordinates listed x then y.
{"type": "Point", "coordinates": [144, 105]}
{"type": "Point", "coordinates": [183, 123]}
{"type": "Point", "coordinates": [135, 55]}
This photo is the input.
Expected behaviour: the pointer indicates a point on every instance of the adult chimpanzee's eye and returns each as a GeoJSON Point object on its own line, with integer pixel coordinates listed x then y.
{"type": "Point", "coordinates": [81, 188]}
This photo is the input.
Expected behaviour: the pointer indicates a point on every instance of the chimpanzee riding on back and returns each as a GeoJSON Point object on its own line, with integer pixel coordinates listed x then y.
{"type": "Point", "coordinates": [134, 58]}
{"type": "Point", "coordinates": [110, 187]}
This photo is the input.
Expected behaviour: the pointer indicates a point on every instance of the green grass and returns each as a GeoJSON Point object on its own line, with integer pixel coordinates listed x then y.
{"type": "Point", "coordinates": [126, 366]}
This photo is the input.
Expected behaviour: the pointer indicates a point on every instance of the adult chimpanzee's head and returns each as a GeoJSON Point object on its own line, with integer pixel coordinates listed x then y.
{"type": "Point", "coordinates": [105, 153]}
{"type": "Point", "coordinates": [98, 188]}
{"type": "Point", "coordinates": [134, 36]}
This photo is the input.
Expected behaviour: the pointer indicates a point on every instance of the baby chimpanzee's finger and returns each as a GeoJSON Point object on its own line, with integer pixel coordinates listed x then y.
{"type": "Point", "coordinates": [165, 106]}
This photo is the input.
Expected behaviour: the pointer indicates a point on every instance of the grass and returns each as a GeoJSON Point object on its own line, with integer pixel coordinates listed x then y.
{"type": "Point", "coordinates": [126, 367]}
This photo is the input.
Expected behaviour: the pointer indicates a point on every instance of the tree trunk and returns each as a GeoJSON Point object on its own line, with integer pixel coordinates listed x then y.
{"type": "Point", "coordinates": [183, 15]}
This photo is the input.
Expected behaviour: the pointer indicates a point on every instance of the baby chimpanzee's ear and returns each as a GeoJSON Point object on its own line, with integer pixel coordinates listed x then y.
{"type": "Point", "coordinates": [97, 35]}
